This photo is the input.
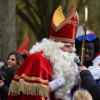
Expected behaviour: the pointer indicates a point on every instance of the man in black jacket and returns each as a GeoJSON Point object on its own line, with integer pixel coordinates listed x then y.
{"type": "Point", "coordinates": [89, 83]}
{"type": "Point", "coordinates": [90, 74]}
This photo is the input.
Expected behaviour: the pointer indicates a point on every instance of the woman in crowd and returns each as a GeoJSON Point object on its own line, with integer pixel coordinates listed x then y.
{"type": "Point", "coordinates": [8, 71]}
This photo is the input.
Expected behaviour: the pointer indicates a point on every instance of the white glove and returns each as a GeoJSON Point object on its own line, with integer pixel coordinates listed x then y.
{"type": "Point", "coordinates": [57, 83]}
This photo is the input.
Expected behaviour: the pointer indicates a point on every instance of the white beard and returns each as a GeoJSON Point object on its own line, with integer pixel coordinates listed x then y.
{"type": "Point", "coordinates": [63, 65]}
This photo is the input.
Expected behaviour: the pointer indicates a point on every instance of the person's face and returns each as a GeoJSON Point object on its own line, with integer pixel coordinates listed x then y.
{"type": "Point", "coordinates": [68, 48]}
{"type": "Point", "coordinates": [89, 51]}
{"type": "Point", "coordinates": [11, 61]}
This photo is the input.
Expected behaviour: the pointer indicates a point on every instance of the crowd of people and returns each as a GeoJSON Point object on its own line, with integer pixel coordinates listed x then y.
{"type": "Point", "coordinates": [50, 71]}
{"type": "Point", "coordinates": [9, 67]}
{"type": "Point", "coordinates": [7, 72]}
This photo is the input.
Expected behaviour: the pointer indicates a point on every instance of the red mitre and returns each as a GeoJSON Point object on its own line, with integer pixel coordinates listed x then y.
{"type": "Point", "coordinates": [64, 29]}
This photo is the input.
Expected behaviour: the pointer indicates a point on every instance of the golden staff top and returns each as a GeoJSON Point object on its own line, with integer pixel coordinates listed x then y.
{"type": "Point", "coordinates": [83, 43]}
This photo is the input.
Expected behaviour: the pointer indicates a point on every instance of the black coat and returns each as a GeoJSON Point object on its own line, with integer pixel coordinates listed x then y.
{"type": "Point", "coordinates": [7, 74]}
{"type": "Point", "coordinates": [90, 84]}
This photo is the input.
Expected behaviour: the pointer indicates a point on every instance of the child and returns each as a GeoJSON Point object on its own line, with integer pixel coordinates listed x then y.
{"type": "Point", "coordinates": [82, 95]}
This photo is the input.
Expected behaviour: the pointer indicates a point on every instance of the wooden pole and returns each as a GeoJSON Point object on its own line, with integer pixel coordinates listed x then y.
{"type": "Point", "coordinates": [83, 43]}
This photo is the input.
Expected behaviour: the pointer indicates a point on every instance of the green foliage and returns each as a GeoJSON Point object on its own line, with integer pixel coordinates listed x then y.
{"type": "Point", "coordinates": [38, 13]}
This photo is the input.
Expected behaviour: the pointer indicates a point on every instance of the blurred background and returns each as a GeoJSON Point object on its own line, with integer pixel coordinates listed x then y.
{"type": "Point", "coordinates": [32, 18]}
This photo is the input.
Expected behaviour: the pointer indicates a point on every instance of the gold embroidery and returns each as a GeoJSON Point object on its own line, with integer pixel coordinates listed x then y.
{"type": "Point", "coordinates": [43, 98]}
{"type": "Point", "coordinates": [34, 78]}
{"type": "Point", "coordinates": [62, 39]}
{"type": "Point", "coordinates": [30, 78]}
{"type": "Point", "coordinates": [28, 88]}
{"type": "Point", "coordinates": [67, 20]}
{"type": "Point", "coordinates": [74, 27]}
{"type": "Point", "coordinates": [17, 77]}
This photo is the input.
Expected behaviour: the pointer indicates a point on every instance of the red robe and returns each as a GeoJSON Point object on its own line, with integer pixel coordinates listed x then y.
{"type": "Point", "coordinates": [32, 79]}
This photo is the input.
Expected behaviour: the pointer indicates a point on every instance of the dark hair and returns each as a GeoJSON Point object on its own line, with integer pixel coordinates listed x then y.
{"type": "Point", "coordinates": [95, 42]}
{"type": "Point", "coordinates": [23, 55]}
{"type": "Point", "coordinates": [14, 68]}
{"type": "Point", "coordinates": [19, 58]}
